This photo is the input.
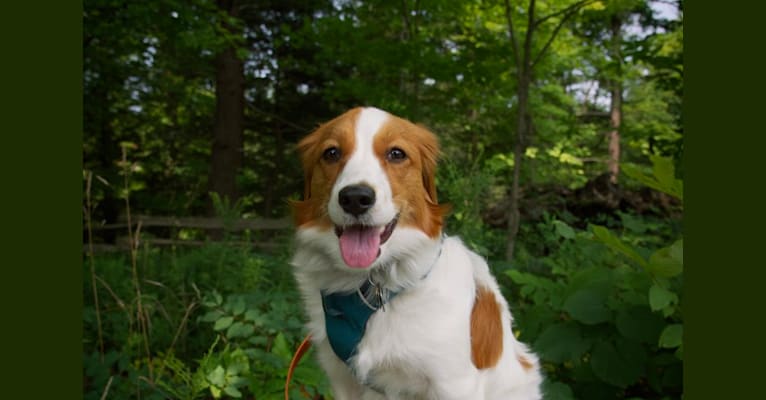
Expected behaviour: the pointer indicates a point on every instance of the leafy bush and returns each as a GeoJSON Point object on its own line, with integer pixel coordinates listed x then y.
{"type": "Point", "coordinates": [603, 310]}
{"type": "Point", "coordinates": [465, 188]}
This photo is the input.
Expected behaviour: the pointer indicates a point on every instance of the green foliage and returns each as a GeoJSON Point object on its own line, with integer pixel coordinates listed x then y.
{"type": "Point", "coordinates": [466, 190]}
{"type": "Point", "coordinates": [225, 322]}
{"type": "Point", "coordinates": [228, 211]}
{"type": "Point", "coordinates": [599, 320]}
{"type": "Point", "coordinates": [662, 176]}
{"type": "Point", "coordinates": [265, 327]}
{"type": "Point", "coordinates": [602, 313]}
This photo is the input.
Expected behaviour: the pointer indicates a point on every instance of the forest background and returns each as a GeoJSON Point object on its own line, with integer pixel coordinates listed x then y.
{"type": "Point", "coordinates": [560, 123]}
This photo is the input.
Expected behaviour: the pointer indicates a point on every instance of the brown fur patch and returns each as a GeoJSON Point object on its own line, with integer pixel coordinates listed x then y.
{"type": "Point", "coordinates": [319, 176]}
{"type": "Point", "coordinates": [412, 180]}
{"type": "Point", "coordinates": [525, 363]}
{"type": "Point", "coordinates": [486, 330]}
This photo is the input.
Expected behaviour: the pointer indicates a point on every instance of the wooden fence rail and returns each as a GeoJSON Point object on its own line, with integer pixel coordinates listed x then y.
{"type": "Point", "coordinates": [258, 224]}
{"type": "Point", "coordinates": [205, 223]}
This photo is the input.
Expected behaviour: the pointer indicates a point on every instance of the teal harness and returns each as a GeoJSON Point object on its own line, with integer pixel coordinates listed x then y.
{"type": "Point", "coordinates": [346, 316]}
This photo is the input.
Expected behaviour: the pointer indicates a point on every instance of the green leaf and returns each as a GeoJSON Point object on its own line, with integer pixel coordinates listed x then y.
{"type": "Point", "coordinates": [561, 342]}
{"type": "Point", "coordinates": [557, 391]}
{"type": "Point", "coordinates": [251, 315]}
{"type": "Point", "coordinates": [619, 365]}
{"type": "Point", "coordinates": [613, 242]}
{"type": "Point", "coordinates": [667, 262]}
{"type": "Point", "coordinates": [526, 290]}
{"type": "Point", "coordinates": [663, 171]}
{"type": "Point", "coordinates": [211, 316]}
{"type": "Point", "coordinates": [659, 298]}
{"type": "Point", "coordinates": [564, 230]}
{"type": "Point", "coordinates": [238, 306]}
{"type": "Point", "coordinates": [232, 391]}
{"type": "Point", "coordinates": [217, 377]}
{"type": "Point", "coordinates": [633, 223]}
{"type": "Point", "coordinates": [213, 299]}
{"type": "Point", "coordinates": [238, 363]}
{"type": "Point", "coordinates": [662, 179]}
{"type": "Point", "coordinates": [521, 278]}
{"type": "Point", "coordinates": [677, 251]}
{"type": "Point", "coordinates": [639, 324]}
{"type": "Point", "coordinates": [239, 329]}
{"type": "Point", "coordinates": [672, 336]}
{"type": "Point", "coordinates": [281, 348]}
{"type": "Point", "coordinates": [595, 6]}
{"type": "Point", "coordinates": [258, 340]}
{"type": "Point", "coordinates": [588, 306]}
{"type": "Point", "coordinates": [223, 323]}
{"type": "Point", "coordinates": [598, 279]}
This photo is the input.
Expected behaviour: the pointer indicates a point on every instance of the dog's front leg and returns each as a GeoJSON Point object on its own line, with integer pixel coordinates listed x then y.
{"type": "Point", "coordinates": [344, 386]}
{"type": "Point", "coordinates": [467, 386]}
{"type": "Point", "coordinates": [372, 395]}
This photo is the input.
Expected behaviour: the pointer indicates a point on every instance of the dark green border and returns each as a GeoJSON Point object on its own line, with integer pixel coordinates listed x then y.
{"type": "Point", "coordinates": [41, 198]}
{"type": "Point", "coordinates": [725, 271]}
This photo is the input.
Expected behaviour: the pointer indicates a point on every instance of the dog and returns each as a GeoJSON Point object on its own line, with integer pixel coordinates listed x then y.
{"type": "Point", "coordinates": [396, 309]}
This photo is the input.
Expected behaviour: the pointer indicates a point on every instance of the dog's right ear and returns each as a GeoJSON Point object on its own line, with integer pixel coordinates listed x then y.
{"type": "Point", "coordinates": [307, 149]}
{"type": "Point", "coordinates": [303, 210]}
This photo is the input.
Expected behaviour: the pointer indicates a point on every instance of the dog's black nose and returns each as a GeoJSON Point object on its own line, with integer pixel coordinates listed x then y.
{"type": "Point", "coordinates": [356, 199]}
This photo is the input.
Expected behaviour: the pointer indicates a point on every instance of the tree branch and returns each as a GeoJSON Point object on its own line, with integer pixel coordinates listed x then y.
{"type": "Point", "coordinates": [528, 37]}
{"type": "Point", "coordinates": [278, 118]}
{"type": "Point", "coordinates": [568, 13]}
{"type": "Point", "coordinates": [406, 20]}
{"type": "Point", "coordinates": [514, 42]}
{"type": "Point", "coordinates": [565, 10]}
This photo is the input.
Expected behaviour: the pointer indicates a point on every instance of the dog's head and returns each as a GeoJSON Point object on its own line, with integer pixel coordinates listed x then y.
{"type": "Point", "coordinates": [369, 180]}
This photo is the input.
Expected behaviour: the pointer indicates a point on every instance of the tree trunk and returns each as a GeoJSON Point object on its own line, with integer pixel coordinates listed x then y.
{"type": "Point", "coordinates": [524, 72]}
{"type": "Point", "coordinates": [523, 123]}
{"type": "Point", "coordinates": [228, 131]}
{"type": "Point", "coordinates": [523, 120]}
{"type": "Point", "coordinates": [615, 105]}
{"type": "Point", "coordinates": [614, 133]}
{"type": "Point", "coordinates": [108, 154]}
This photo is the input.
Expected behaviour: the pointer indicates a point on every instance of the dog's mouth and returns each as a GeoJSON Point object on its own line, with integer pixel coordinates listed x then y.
{"type": "Point", "coordinates": [360, 244]}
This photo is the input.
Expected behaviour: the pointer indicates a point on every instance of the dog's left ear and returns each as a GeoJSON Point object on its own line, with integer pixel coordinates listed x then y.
{"type": "Point", "coordinates": [429, 153]}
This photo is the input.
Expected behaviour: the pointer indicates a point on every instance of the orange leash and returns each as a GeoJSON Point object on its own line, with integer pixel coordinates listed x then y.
{"type": "Point", "coordinates": [302, 349]}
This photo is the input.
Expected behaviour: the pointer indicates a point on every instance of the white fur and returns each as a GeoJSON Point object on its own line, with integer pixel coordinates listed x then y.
{"type": "Point", "coordinates": [363, 167]}
{"type": "Point", "coordinates": [420, 346]}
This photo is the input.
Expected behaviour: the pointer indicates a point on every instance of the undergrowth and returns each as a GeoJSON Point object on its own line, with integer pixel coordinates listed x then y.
{"type": "Point", "coordinates": [223, 322]}
{"type": "Point", "coordinates": [217, 321]}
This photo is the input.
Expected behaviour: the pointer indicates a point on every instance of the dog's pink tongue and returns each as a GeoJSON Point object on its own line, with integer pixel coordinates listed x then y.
{"type": "Point", "coordinates": [359, 245]}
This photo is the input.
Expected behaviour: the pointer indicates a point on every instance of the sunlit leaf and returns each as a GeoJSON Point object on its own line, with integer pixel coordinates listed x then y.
{"type": "Point", "coordinates": [672, 336]}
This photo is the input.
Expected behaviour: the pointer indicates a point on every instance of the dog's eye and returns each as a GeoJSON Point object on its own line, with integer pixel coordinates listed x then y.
{"type": "Point", "coordinates": [331, 155]}
{"type": "Point", "coordinates": [396, 155]}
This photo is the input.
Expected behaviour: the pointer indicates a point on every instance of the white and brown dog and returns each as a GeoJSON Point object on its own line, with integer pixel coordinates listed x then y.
{"type": "Point", "coordinates": [396, 309]}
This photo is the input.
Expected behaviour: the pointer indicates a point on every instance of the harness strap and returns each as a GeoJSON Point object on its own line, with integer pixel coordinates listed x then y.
{"type": "Point", "coordinates": [302, 349]}
{"type": "Point", "coordinates": [346, 316]}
